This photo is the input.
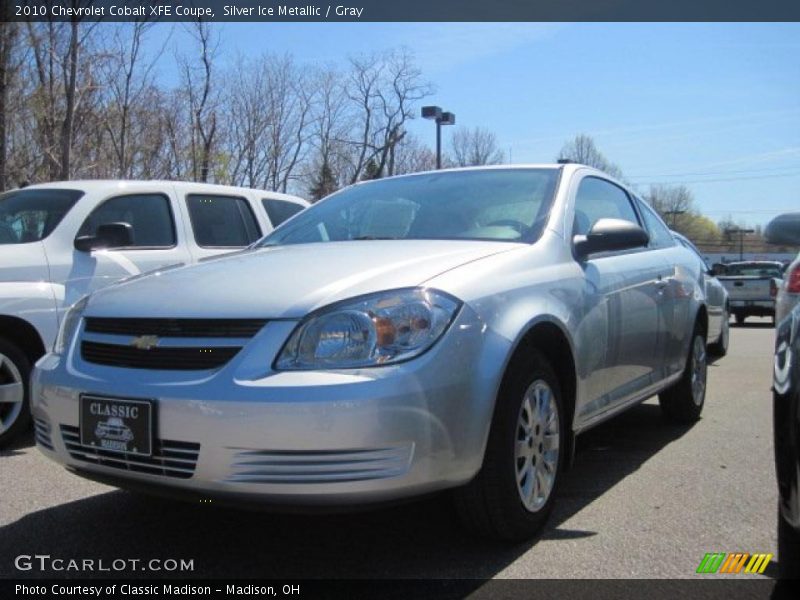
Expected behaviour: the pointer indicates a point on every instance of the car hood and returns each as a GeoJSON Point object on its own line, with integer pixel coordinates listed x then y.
{"type": "Point", "coordinates": [287, 281]}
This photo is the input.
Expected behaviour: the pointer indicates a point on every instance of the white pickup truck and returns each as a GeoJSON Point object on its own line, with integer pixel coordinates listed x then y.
{"type": "Point", "coordinates": [752, 286]}
{"type": "Point", "coordinates": [61, 241]}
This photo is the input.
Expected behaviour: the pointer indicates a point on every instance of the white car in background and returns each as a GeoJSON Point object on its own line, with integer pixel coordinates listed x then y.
{"type": "Point", "coordinates": [61, 241]}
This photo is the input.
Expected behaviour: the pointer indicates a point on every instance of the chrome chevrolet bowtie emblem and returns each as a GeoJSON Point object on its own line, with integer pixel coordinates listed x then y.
{"type": "Point", "coordinates": [145, 342]}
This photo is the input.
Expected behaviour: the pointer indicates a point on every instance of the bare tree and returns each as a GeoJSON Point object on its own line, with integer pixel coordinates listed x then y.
{"type": "Point", "coordinates": [202, 101]}
{"type": "Point", "coordinates": [384, 89]}
{"type": "Point", "coordinates": [582, 149]}
{"type": "Point", "coordinates": [63, 79]}
{"type": "Point", "coordinates": [472, 147]}
{"type": "Point", "coordinates": [411, 156]}
{"type": "Point", "coordinates": [675, 204]}
{"type": "Point", "coordinates": [9, 33]}
{"type": "Point", "coordinates": [129, 81]}
{"type": "Point", "coordinates": [269, 117]}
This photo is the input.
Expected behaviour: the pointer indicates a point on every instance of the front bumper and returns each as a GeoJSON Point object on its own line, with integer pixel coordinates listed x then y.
{"type": "Point", "coordinates": [312, 438]}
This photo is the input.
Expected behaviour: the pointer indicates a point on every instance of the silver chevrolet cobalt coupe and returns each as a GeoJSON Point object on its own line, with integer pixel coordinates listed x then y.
{"type": "Point", "coordinates": [446, 330]}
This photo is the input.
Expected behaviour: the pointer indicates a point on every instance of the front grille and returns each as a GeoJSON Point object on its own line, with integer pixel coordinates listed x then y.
{"type": "Point", "coordinates": [177, 328]}
{"type": "Point", "coordinates": [169, 459]}
{"type": "Point", "coordinates": [41, 431]}
{"type": "Point", "coordinates": [174, 359]}
{"type": "Point", "coordinates": [320, 466]}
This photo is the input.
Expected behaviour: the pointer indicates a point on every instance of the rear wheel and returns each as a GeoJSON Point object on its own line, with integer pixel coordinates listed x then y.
{"type": "Point", "coordinates": [15, 369]}
{"type": "Point", "coordinates": [512, 495]}
{"type": "Point", "coordinates": [683, 402]}
{"type": "Point", "coordinates": [720, 347]}
{"type": "Point", "coordinates": [739, 318]}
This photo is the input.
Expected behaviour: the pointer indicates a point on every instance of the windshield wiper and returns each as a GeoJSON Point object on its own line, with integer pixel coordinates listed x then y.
{"type": "Point", "coordinates": [373, 237]}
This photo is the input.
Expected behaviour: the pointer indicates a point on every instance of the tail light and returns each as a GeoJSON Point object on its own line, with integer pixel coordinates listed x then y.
{"type": "Point", "coordinates": [793, 283]}
{"type": "Point", "coordinates": [773, 288]}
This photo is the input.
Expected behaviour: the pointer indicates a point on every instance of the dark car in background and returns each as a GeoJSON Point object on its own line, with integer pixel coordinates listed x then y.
{"type": "Point", "coordinates": [786, 421]}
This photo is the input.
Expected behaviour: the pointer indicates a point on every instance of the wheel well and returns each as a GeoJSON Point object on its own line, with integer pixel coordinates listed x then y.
{"type": "Point", "coordinates": [548, 339]}
{"type": "Point", "coordinates": [24, 335]}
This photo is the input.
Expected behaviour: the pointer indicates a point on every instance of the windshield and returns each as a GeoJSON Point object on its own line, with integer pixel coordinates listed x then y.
{"type": "Point", "coordinates": [754, 270]}
{"type": "Point", "coordinates": [509, 205]}
{"type": "Point", "coordinates": [31, 215]}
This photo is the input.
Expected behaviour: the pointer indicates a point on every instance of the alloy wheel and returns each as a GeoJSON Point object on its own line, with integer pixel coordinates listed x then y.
{"type": "Point", "coordinates": [699, 369]}
{"type": "Point", "coordinates": [12, 393]}
{"type": "Point", "coordinates": [537, 445]}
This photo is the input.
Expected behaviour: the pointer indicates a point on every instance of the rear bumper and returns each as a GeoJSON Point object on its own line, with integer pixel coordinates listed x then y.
{"type": "Point", "coordinates": [753, 307]}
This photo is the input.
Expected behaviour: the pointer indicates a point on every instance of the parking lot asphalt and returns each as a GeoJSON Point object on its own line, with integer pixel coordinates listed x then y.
{"type": "Point", "coordinates": [644, 499]}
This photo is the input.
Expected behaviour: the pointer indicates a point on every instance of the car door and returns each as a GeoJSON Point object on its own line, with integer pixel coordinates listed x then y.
{"type": "Point", "coordinates": [156, 243]}
{"type": "Point", "coordinates": [623, 296]}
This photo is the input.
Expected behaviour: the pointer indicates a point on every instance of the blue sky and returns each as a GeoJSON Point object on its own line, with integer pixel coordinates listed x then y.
{"type": "Point", "coordinates": [714, 105]}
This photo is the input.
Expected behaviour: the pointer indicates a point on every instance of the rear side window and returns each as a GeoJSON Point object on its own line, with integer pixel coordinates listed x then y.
{"type": "Point", "coordinates": [660, 237]}
{"type": "Point", "coordinates": [32, 215]}
{"type": "Point", "coordinates": [222, 221]}
{"type": "Point", "coordinates": [149, 215]}
{"type": "Point", "coordinates": [280, 210]}
{"type": "Point", "coordinates": [599, 199]}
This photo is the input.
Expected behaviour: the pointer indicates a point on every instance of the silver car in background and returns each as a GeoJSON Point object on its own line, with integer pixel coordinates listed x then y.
{"type": "Point", "coordinates": [717, 303]}
{"type": "Point", "coordinates": [445, 330]}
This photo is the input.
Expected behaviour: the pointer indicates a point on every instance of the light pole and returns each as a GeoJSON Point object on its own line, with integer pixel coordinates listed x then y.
{"type": "Point", "coordinates": [741, 233]}
{"type": "Point", "coordinates": [441, 118]}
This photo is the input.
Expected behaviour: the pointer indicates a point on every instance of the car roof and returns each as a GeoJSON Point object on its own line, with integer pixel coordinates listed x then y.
{"type": "Point", "coordinates": [93, 185]}
{"type": "Point", "coordinates": [565, 168]}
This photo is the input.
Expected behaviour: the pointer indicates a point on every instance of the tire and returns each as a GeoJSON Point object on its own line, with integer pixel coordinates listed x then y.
{"type": "Point", "coordinates": [739, 318]}
{"type": "Point", "coordinates": [492, 504]}
{"type": "Point", "coordinates": [788, 550]}
{"type": "Point", "coordinates": [720, 347]}
{"type": "Point", "coordinates": [15, 370]}
{"type": "Point", "coordinates": [683, 402]}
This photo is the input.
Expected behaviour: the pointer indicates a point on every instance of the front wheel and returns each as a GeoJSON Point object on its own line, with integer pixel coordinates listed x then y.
{"type": "Point", "coordinates": [683, 402]}
{"type": "Point", "coordinates": [512, 495]}
{"type": "Point", "coordinates": [15, 369]}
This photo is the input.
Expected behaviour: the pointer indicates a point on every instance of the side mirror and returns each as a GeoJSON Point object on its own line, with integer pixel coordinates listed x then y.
{"type": "Point", "coordinates": [607, 235]}
{"type": "Point", "coordinates": [108, 235]}
{"type": "Point", "coordinates": [784, 230]}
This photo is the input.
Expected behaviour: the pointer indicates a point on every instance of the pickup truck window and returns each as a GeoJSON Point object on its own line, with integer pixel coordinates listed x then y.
{"type": "Point", "coordinates": [31, 215]}
{"type": "Point", "coordinates": [599, 199]}
{"type": "Point", "coordinates": [754, 270]}
{"type": "Point", "coordinates": [507, 205]}
{"type": "Point", "coordinates": [222, 221]}
{"type": "Point", "coordinates": [149, 215]}
{"type": "Point", "coordinates": [279, 211]}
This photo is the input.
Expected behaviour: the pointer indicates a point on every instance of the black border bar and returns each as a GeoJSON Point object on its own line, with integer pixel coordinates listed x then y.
{"type": "Point", "coordinates": [408, 10]}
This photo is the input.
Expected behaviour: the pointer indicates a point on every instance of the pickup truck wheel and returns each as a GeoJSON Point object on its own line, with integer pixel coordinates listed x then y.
{"type": "Point", "coordinates": [720, 347]}
{"type": "Point", "coordinates": [15, 369]}
{"type": "Point", "coordinates": [511, 497]}
{"type": "Point", "coordinates": [683, 402]}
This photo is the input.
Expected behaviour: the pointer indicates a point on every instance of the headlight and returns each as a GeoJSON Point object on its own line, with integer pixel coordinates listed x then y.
{"type": "Point", "coordinates": [69, 325]}
{"type": "Point", "coordinates": [374, 330]}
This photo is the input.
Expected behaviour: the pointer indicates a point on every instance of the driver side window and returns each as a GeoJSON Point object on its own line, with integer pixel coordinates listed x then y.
{"type": "Point", "coordinates": [599, 199]}
{"type": "Point", "coordinates": [149, 215]}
